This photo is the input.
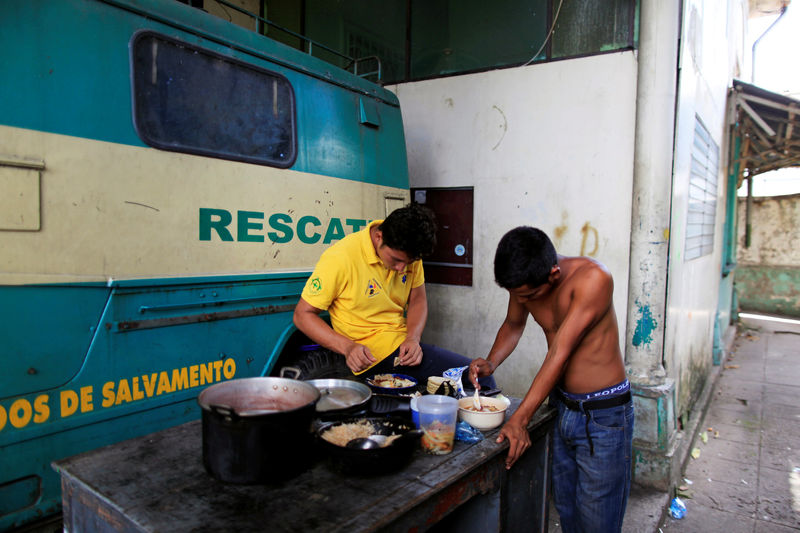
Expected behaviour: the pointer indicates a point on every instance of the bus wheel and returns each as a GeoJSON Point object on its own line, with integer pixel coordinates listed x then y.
{"type": "Point", "coordinates": [320, 364]}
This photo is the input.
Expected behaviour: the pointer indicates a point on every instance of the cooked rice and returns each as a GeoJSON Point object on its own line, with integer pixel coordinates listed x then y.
{"type": "Point", "coordinates": [343, 433]}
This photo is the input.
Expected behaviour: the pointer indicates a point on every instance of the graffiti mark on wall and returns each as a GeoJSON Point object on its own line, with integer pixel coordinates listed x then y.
{"type": "Point", "coordinates": [590, 237]}
{"type": "Point", "coordinates": [560, 231]}
{"type": "Point", "coordinates": [645, 325]}
{"type": "Point", "coordinates": [586, 231]}
{"type": "Point", "coordinates": [503, 126]}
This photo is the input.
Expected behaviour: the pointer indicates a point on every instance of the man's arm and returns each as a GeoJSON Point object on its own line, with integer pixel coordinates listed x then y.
{"type": "Point", "coordinates": [504, 343]}
{"type": "Point", "coordinates": [410, 353]}
{"type": "Point", "coordinates": [306, 318]}
{"type": "Point", "coordinates": [590, 301]}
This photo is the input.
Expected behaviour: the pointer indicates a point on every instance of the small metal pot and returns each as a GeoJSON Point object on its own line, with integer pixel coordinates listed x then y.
{"type": "Point", "coordinates": [341, 395]}
{"type": "Point", "coordinates": [347, 398]}
{"type": "Point", "coordinates": [257, 430]}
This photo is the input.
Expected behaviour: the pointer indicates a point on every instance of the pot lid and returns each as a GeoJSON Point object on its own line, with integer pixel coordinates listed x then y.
{"type": "Point", "coordinates": [257, 396]}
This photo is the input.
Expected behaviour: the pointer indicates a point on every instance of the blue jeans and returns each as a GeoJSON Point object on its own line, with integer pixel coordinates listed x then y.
{"type": "Point", "coordinates": [435, 360]}
{"type": "Point", "coordinates": [590, 490]}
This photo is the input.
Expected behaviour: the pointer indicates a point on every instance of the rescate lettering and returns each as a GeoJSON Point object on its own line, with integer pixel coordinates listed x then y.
{"type": "Point", "coordinates": [279, 228]}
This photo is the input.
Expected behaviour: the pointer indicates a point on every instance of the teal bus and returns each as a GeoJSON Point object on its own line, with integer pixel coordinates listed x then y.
{"type": "Point", "coordinates": [167, 181]}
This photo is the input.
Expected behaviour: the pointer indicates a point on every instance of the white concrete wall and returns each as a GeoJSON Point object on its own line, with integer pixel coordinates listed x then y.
{"type": "Point", "coordinates": [547, 145]}
{"type": "Point", "coordinates": [710, 56]}
{"type": "Point", "coordinates": [775, 227]}
{"type": "Point", "coordinates": [768, 271]}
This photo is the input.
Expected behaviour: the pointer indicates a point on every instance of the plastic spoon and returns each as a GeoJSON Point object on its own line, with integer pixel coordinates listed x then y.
{"type": "Point", "coordinates": [476, 401]}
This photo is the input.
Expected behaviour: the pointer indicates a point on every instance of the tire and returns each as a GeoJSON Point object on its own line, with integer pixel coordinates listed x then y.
{"type": "Point", "coordinates": [321, 364]}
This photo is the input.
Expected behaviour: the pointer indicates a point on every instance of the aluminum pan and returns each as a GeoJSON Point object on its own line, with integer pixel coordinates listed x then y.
{"type": "Point", "coordinates": [336, 394]}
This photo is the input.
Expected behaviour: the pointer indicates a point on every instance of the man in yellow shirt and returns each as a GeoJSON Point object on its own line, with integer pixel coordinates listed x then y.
{"type": "Point", "coordinates": [373, 286]}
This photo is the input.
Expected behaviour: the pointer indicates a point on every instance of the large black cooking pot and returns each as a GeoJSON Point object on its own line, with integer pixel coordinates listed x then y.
{"type": "Point", "coordinates": [257, 430]}
{"type": "Point", "coordinates": [376, 461]}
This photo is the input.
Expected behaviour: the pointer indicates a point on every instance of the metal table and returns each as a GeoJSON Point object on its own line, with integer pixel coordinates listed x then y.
{"type": "Point", "coordinates": [157, 483]}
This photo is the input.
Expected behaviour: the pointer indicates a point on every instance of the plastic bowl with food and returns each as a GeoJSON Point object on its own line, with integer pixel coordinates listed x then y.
{"type": "Point", "coordinates": [491, 415]}
{"type": "Point", "coordinates": [392, 383]}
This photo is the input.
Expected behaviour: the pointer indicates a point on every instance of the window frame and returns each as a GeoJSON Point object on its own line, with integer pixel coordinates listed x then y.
{"type": "Point", "coordinates": [705, 156]}
{"type": "Point", "coordinates": [147, 138]}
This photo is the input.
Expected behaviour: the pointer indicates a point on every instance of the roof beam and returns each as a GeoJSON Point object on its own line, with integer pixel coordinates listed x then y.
{"type": "Point", "coordinates": [756, 118]}
{"type": "Point", "coordinates": [767, 102]}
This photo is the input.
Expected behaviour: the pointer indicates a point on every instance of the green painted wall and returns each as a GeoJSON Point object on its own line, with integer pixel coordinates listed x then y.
{"type": "Point", "coordinates": [769, 289]}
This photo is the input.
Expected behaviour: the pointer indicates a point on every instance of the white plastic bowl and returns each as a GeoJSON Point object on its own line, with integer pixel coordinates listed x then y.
{"type": "Point", "coordinates": [483, 420]}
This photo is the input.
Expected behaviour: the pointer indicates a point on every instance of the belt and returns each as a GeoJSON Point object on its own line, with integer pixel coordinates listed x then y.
{"type": "Point", "coordinates": [601, 403]}
{"type": "Point", "coordinates": [587, 405]}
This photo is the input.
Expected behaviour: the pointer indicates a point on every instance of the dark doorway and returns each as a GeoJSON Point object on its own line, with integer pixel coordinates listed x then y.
{"type": "Point", "coordinates": [451, 261]}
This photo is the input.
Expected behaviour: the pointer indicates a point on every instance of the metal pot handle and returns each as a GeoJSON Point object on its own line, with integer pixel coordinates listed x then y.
{"type": "Point", "coordinates": [411, 434]}
{"type": "Point", "coordinates": [291, 370]}
{"type": "Point", "coordinates": [224, 411]}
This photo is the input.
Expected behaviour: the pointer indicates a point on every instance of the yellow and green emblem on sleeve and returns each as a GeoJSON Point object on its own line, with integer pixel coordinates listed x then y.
{"type": "Point", "coordinates": [315, 285]}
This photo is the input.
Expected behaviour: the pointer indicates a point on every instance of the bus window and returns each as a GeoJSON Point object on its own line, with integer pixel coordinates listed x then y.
{"type": "Point", "coordinates": [188, 99]}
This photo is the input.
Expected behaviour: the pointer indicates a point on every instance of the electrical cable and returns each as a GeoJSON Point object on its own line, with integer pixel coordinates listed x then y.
{"type": "Point", "coordinates": [549, 34]}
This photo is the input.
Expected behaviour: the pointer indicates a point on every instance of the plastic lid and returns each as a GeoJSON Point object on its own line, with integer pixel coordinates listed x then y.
{"type": "Point", "coordinates": [437, 403]}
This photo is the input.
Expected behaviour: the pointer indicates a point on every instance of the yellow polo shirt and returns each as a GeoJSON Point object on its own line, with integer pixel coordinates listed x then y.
{"type": "Point", "coordinates": [365, 300]}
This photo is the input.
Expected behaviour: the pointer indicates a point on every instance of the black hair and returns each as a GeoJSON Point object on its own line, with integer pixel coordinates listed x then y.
{"type": "Point", "coordinates": [410, 229]}
{"type": "Point", "coordinates": [525, 256]}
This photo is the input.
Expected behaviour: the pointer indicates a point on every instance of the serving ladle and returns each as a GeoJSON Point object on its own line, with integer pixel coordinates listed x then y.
{"type": "Point", "coordinates": [367, 443]}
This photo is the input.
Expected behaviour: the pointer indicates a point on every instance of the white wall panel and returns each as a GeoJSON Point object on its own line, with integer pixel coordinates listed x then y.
{"type": "Point", "coordinates": [547, 145]}
{"type": "Point", "coordinates": [693, 291]}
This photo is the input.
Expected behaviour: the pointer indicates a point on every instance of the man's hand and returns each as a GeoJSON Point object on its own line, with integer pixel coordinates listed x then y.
{"type": "Point", "coordinates": [358, 358]}
{"type": "Point", "coordinates": [516, 432]}
{"type": "Point", "coordinates": [480, 368]}
{"type": "Point", "coordinates": [409, 353]}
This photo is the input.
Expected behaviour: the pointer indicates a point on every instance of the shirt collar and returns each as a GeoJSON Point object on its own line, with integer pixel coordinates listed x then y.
{"type": "Point", "coordinates": [366, 244]}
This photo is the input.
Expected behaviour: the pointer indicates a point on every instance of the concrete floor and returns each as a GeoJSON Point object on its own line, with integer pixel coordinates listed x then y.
{"type": "Point", "coordinates": [746, 474]}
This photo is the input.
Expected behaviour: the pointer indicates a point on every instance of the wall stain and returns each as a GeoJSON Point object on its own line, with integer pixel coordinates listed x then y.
{"type": "Point", "coordinates": [645, 326]}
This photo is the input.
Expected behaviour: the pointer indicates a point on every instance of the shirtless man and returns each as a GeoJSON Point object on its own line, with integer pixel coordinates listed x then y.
{"type": "Point", "coordinates": [583, 373]}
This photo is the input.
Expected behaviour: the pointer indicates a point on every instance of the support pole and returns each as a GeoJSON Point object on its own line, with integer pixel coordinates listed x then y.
{"type": "Point", "coordinates": [652, 190]}
{"type": "Point", "coordinates": [653, 392]}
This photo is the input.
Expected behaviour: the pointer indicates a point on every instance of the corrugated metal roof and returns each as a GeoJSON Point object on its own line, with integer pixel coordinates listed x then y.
{"type": "Point", "coordinates": [768, 126]}
{"type": "Point", "coordinates": [761, 8]}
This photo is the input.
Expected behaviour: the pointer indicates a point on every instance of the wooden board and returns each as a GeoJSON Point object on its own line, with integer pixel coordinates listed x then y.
{"type": "Point", "coordinates": [158, 483]}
